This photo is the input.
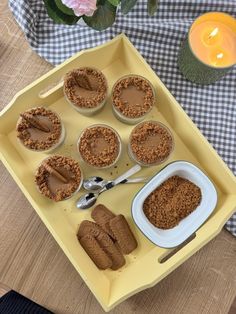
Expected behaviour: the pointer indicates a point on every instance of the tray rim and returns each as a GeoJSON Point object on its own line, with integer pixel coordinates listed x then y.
{"type": "Point", "coordinates": [205, 237]}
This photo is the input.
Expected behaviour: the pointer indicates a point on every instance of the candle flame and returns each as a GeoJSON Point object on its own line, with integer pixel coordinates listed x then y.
{"type": "Point", "coordinates": [220, 55]}
{"type": "Point", "coordinates": [214, 32]}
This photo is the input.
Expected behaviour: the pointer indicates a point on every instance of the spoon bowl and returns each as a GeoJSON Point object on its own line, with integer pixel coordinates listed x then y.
{"type": "Point", "coordinates": [87, 200]}
{"type": "Point", "coordinates": [94, 183]}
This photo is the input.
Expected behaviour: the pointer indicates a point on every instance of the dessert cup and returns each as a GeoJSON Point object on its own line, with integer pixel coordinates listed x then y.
{"type": "Point", "coordinates": [95, 164]}
{"type": "Point", "coordinates": [36, 145]}
{"type": "Point", "coordinates": [64, 190]}
{"type": "Point", "coordinates": [86, 101]}
{"type": "Point", "coordinates": [148, 154]}
{"type": "Point", "coordinates": [133, 117]}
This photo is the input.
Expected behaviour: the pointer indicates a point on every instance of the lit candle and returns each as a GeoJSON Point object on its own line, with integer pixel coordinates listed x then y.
{"type": "Point", "coordinates": [210, 49]}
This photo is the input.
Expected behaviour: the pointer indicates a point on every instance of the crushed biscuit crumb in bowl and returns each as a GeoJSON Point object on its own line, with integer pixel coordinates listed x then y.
{"type": "Point", "coordinates": [59, 177]}
{"type": "Point", "coordinates": [133, 97]}
{"type": "Point", "coordinates": [150, 143]}
{"type": "Point", "coordinates": [86, 90]}
{"type": "Point", "coordinates": [176, 234]}
{"type": "Point", "coordinates": [36, 139]}
{"type": "Point", "coordinates": [99, 146]}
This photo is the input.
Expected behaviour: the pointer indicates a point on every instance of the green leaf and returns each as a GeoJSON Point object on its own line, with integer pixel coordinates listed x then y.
{"type": "Point", "coordinates": [57, 15]}
{"type": "Point", "coordinates": [114, 2]}
{"type": "Point", "coordinates": [64, 8]}
{"type": "Point", "coordinates": [152, 7]}
{"type": "Point", "coordinates": [103, 17]}
{"type": "Point", "coordinates": [127, 5]}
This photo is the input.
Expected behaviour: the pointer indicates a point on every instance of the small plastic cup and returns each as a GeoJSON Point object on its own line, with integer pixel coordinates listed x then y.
{"type": "Point", "coordinates": [75, 192]}
{"type": "Point", "coordinates": [93, 110]}
{"type": "Point", "coordinates": [141, 162]}
{"type": "Point", "coordinates": [119, 149]}
{"type": "Point", "coordinates": [131, 120]}
{"type": "Point", "coordinates": [58, 143]}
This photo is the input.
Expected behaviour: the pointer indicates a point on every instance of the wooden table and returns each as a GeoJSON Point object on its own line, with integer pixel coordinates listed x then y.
{"type": "Point", "coordinates": [32, 263]}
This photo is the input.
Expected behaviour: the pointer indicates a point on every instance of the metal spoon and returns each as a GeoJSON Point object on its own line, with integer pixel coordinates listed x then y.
{"type": "Point", "coordinates": [89, 199]}
{"type": "Point", "coordinates": [95, 184]}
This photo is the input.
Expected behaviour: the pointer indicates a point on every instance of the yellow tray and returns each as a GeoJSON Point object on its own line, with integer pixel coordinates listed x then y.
{"type": "Point", "coordinates": [143, 268]}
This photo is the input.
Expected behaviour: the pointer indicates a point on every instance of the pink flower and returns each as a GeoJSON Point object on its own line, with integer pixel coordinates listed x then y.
{"type": "Point", "coordinates": [81, 7]}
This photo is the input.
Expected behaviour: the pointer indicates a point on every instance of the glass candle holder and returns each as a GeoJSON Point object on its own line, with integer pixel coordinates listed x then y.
{"type": "Point", "coordinates": [209, 51]}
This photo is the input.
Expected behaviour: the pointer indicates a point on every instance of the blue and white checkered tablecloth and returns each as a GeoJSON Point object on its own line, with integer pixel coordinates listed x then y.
{"type": "Point", "coordinates": [158, 38]}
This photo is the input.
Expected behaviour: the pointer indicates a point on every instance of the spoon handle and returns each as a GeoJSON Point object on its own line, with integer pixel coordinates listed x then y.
{"type": "Point", "coordinates": [127, 174]}
{"type": "Point", "coordinates": [136, 180]}
{"type": "Point", "coordinates": [121, 178]}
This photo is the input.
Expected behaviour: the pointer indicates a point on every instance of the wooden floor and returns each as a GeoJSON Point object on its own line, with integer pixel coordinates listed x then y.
{"type": "Point", "coordinates": [32, 263]}
{"type": "Point", "coordinates": [233, 307]}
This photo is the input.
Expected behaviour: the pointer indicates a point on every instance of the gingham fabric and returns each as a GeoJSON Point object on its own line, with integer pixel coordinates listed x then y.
{"type": "Point", "coordinates": [158, 38]}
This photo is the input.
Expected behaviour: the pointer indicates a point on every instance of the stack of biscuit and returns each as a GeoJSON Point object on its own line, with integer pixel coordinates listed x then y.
{"type": "Point", "coordinates": [107, 239]}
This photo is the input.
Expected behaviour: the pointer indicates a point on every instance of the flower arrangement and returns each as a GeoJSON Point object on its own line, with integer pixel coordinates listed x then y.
{"type": "Point", "coordinates": [97, 14]}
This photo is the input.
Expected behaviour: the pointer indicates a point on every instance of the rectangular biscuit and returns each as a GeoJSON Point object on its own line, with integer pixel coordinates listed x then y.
{"type": "Point", "coordinates": [102, 215]}
{"type": "Point", "coordinates": [95, 252]}
{"type": "Point", "coordinates": [123, 234]}
{"type": "Point", "coordinates": [111, 250]}
{"type": "Point", "coordinates": [88, 227]}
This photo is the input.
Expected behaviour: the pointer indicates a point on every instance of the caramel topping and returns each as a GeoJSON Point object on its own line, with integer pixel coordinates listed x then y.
{"type": "Point", "coordinates": [133, 97]}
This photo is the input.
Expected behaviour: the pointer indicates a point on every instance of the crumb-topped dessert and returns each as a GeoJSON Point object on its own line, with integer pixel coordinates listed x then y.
{"type": "Point", "coordinates": [99, 146]}
{"type": "Point", "coordinates": [40, 129]}
{"type": "Point", "coordinates": [132, 98]}
{"type": "Point", "coordinates": [86, 89]}
{"type": "Point", "coordinates": [172, 201]}
{"type": "Point", "coordinates": [150, 143]}
{"type": "Point", "coordinates": [58, 177]}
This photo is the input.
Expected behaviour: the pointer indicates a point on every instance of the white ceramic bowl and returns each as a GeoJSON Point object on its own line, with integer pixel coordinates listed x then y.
{"type": "Point", "coordinates": [172, 237]}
